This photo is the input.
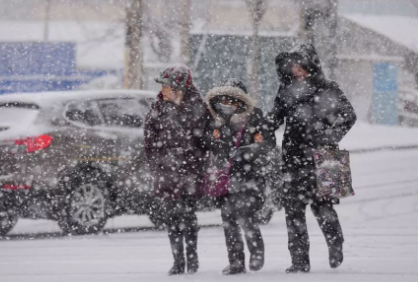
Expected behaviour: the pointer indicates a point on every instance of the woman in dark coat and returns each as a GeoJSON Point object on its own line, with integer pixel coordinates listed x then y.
{"type": "Point", "coordinates": [176, 152]}
{"type": "Point", "coordinates": [317, 115]}
{"type": "Point", "coordinates": [232, 111]}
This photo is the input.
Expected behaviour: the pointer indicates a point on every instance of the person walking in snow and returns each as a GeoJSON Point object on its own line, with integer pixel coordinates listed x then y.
{"type": "Point", "coordinates": [236, 120]}
{"type": "Point", "coordinates": [174, 147]}
{"type": "Point", "coordinates": [317, 114]}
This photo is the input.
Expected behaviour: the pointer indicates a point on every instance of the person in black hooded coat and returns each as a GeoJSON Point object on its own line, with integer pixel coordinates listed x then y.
{"type": "Point", "coordinates": [317, 114]}
{"type": "Point", "coordinates": [231, 108]}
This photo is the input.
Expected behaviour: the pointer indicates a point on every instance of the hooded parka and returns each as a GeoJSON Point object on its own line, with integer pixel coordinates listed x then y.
{"type": "Point", "coordinates": [317, 114]}
{"type": "Point", "coordinates": [248, 172]}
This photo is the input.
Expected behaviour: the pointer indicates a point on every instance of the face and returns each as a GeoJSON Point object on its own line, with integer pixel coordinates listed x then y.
{"type": "Point", "coordinates": [228, 102]}
{"type": "Point", "coordinates": [170, 94]}
{"type": "Point", "coordinates": [299, 72]}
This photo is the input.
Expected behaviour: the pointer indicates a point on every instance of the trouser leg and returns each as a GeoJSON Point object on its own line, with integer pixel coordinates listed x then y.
{"type": "Point", "coordinates": [330, 225]}
{"type": "Point", "coordinates": [176, 237]}
{"type": "Point", "coordinates": [190, 235]}
{"type": "Point", "coordinates": [233, 237]}
{"type": "Point", "coordinates": [254, 240]}
{"type": "Point", "coordinates": [297, 231]}
{"type": "Point", "coordinates": [328, 221]}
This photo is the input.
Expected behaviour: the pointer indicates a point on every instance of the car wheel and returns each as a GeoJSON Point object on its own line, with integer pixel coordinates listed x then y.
{"type": "Point", "coordinates": [87, 204]}
{"type": "Point", "coordinates": [8, 220]}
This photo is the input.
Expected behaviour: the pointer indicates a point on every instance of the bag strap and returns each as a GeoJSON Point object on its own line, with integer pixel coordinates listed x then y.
{"type": "Point", "coordinates": [239, 135]}
{"type": "Point", "coordinates": [237, 143]}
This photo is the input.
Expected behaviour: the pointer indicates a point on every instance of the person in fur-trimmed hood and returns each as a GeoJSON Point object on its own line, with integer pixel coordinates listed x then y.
{"type": "Point", "coordinates": [317, 114]}
{"type": "Point", "coordinates": [234, 110]}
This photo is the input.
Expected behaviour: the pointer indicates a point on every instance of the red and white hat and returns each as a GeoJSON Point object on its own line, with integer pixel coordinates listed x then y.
{"type": "Point", "coordinates": [178, 77]}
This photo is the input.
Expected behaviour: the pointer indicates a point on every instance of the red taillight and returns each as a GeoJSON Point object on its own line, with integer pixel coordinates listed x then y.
{"type": "Point", "coordinates": [16, 187]}
{"type": "Point", "coordinates": [34, 144]}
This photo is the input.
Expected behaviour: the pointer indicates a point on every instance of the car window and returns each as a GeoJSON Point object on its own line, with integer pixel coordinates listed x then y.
{"type": "Point", "coordinates": [123, 112]}
{"type": "Point", "coordinates": [83, 112]}
{"type": "Point", "coordinates": [15, 114]}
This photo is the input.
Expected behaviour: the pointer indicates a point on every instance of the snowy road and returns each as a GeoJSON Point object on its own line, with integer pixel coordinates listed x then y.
{"type": "Point", "coordinates": [380, 225]}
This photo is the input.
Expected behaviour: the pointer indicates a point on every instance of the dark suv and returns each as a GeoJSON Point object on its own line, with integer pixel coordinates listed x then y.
{"type": "Point", "coordinates": [74, 157]}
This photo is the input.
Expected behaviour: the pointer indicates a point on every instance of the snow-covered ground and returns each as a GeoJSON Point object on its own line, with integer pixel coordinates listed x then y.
{"type": "Point", "coordinates": [364, 136]}
{"type": "Point", "coordinates": [379, 223]}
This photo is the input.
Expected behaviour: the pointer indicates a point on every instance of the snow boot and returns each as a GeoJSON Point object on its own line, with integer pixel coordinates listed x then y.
{"type": "Point", "coordinates": [298, 269]}
{"type": "Point", "coordinates": [300, 263]}
{"type": "Point", "coordinates": [255, 244]}
{"type": "Point", "coordinates": [336, 256]}
{"type": "Point", "coordinates": [178, 268]}
{"type": "Point", "coordinates": [176, 241]}
{"type": "Point", "coordinates": [191, 252]}
{"type": "Point", "coordinates": [256, 262]}
{"type": "Point", "coordinates": [233, 270]}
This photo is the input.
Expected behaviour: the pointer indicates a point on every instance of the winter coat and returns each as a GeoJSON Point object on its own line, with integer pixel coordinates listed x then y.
{"type": "Point", "coordinates": [316, 111]}
{"type": "Point", "coordinates": [249, 160]}
{"type": "Point", "coordinates": [174, 145]}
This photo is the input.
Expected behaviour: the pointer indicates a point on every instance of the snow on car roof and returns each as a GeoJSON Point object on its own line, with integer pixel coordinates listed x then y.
{"type": "Point", "coordinates": [47, 99]}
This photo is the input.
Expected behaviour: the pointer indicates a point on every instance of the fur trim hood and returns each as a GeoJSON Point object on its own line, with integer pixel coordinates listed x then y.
{"type": "Point", "coordinates": [233, 92]}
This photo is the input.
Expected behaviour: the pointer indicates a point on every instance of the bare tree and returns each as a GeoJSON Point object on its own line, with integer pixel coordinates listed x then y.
{"type": "Point", "coordinates": [319, 27]}
{"type": "Point", "coordinates": [134, 52]}
{"type": "Point", "coordinates": [185, 24]}
{"type": "Point", "coordinates": [414, 3]}
{"type": "Point", "coordinates": [257, 9]}
{"type": "Point", "coordinates": [48, 5]}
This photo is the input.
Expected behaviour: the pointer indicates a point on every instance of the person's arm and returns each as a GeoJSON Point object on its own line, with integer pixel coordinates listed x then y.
{"type": "Point", "coordinates": [342, 118]}
{"type": "Point", "coordinates": [150, 136]}
{"type": "Point", "coordinates": [275, 118]}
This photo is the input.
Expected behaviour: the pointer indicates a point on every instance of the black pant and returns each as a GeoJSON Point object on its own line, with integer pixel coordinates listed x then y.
{"type": "Point", "coordinates": [238, 211]}
{"type": "Point", "coordinates": [295, 203]}
{"type": "Point", "coordinates": [182, 227]}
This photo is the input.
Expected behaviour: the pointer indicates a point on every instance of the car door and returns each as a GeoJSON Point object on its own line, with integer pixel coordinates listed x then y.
{"type": "Point", "coordinates": [125, 117]}
{"type": "Point", "coordinates": [88, 140]}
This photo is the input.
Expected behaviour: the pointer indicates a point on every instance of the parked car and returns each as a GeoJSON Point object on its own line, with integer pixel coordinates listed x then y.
{"type": "Point", "coordinates": [76, 158]}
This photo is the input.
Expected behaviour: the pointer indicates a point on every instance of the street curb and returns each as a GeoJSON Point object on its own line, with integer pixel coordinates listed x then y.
{"type": "Point", "coordinates": [385, 148]}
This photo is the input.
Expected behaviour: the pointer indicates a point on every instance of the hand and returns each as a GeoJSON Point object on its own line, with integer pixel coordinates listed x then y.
{"type": "Point", "coordinates": [258, 137]}
{"type": "Point", "coordinates": [216, 134]}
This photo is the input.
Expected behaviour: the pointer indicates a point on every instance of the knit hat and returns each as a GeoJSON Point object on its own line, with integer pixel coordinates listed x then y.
{"type": "Point", "coordinates": [178, 77]}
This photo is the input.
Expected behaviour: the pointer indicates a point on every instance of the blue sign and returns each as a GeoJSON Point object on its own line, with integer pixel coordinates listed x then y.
{"type": "Point", "coordinates": [385, 94]}
{"type": "Point", "coordinates": [41, 66]}
{"type": "Point", "coordinates": [35, 58]}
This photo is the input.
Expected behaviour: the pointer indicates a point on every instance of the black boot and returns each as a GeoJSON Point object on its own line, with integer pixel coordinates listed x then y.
{"type": "Point", "coordinates": [255, 244]}
{"type": "Point", "coordinates": [178, 268]}
{"type": "Point", "coordinates": [336, 256]}
{"type": "Point", "coordinates": [191, 252]}
{"type": "Point", "coordinates": [176, 241]}
{"type": "Point", "coordinates": [257, 261]}
{"type": "Point", "coordinates": [300, 263]}
{"type": "Point", "coordinates": [298, 269]}
{"type": "Point", "coordinates": [237, 263]}
{"type": "Point", "coordinates": [234, 269]}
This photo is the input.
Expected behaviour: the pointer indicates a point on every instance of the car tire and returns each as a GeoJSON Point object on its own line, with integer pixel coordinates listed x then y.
{"type": "Point", "coordinates": [8, 221]}
{"type": "Point", "coordinates": [87, 204]}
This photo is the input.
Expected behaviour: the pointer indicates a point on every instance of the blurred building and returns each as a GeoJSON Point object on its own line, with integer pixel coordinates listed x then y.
{"type": "Point", "coordinates": [376, 43]}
